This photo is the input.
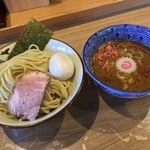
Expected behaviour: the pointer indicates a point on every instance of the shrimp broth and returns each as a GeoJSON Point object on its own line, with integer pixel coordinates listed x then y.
{"type": "Point", "coordinates": [124, 65]}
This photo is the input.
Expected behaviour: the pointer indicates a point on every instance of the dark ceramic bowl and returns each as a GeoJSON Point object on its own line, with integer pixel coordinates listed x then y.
{"type": "Point", "coordinates": [131, 32]}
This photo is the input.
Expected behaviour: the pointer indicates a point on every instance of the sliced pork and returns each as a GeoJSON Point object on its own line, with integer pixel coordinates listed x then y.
{"type": "Point", "coordinates": [27, 95]}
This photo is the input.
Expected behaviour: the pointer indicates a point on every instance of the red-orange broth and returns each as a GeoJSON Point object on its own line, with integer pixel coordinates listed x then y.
{"type": "Point", "coordinates": [124, 65]}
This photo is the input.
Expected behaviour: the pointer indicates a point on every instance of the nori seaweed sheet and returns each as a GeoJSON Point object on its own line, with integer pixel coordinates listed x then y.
{"type": "Point", "coordinates": [34, 33]}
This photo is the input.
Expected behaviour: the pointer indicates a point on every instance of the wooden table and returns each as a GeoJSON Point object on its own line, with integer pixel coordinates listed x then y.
{"type": "Point", "coordinates": [96, 120]}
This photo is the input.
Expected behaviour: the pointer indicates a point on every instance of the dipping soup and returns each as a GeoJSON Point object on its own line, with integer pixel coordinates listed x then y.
{"type": "Point", "coordinates": [124, 65]}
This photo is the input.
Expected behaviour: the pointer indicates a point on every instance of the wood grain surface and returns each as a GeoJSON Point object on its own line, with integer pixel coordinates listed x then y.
{"type": "Point", "coordinates": [19, 5]}
{"type": "Point", "coordinates": [61, 13]}
{"type": "Point", "coordinates": [96, 120]}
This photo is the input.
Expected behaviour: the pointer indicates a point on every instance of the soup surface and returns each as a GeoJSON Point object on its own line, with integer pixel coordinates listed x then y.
{"type": "Point", "coordinates": [124, 65]}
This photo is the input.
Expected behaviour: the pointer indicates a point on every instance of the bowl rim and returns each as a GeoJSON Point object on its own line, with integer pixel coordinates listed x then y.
{"type": "Point", "coordinates": [66, 106]}
{"type": "Point", "coordinates": [94, 77]}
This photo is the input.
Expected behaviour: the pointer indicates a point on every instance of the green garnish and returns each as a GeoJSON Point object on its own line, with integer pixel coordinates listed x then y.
{"type": "Point", "coordinates": [34, 33]}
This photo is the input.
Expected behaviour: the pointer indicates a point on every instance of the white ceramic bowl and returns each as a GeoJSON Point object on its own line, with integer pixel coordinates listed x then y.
{"type": "Point", "coordinates": [56, 46]}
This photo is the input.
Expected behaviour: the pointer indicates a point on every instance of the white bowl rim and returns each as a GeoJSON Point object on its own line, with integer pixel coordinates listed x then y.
{"type": "Point", "coordinates": [66, 106]}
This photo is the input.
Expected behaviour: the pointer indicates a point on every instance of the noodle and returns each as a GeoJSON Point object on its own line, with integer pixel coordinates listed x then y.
{"type": "Point", "coordinates": [32, 60]}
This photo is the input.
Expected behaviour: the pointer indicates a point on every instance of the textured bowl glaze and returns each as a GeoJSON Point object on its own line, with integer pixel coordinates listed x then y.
{"type": "Point", "coordinates": [131, 32]}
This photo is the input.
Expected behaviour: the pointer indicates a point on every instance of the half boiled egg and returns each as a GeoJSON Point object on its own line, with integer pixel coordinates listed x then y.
{"type": "Point", "coordinates": [61, 66]}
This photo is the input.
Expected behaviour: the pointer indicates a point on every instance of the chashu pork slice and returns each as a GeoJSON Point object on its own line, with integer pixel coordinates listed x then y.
{"type": "Point", "coordinates": [27, 95]}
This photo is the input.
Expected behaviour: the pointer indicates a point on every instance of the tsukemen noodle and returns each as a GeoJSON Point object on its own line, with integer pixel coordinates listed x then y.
{"type": "Point", "coordinates": [124, 65]}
